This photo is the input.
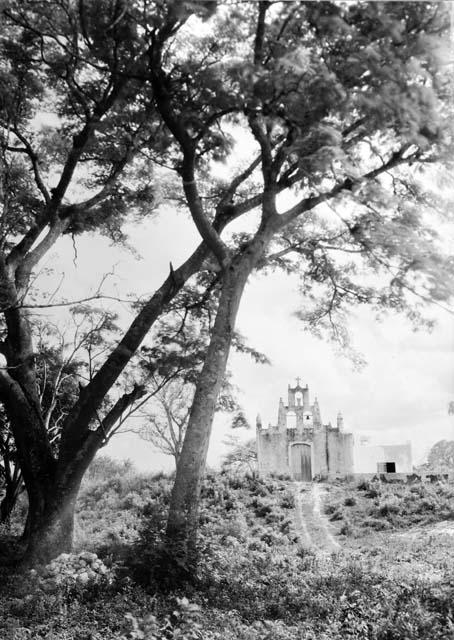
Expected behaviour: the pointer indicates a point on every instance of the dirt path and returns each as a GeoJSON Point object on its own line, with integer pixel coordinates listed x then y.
{"type": "Point", "coordinates": [310, 521]}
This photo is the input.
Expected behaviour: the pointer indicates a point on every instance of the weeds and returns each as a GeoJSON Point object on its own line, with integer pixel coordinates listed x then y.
{"type": "Point", "coordinates": [255, 581]}
{"type": "Point", "coordinates": [390, 506]}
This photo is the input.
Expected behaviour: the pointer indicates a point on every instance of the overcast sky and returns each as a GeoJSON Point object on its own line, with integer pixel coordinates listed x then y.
{"type": "Point", "coordinates": [401, 394]}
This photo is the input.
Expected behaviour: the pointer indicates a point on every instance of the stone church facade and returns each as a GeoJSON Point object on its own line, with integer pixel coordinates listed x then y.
{"type": "Point", "coordinates": [300, 445]}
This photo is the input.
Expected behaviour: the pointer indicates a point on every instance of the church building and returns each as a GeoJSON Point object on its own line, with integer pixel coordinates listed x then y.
{"type": "Point", "coordinates": [300, 445]}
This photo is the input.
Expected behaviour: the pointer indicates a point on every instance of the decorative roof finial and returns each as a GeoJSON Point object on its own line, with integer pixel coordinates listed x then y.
{"type": "Point", "coordinates": [340, 421]}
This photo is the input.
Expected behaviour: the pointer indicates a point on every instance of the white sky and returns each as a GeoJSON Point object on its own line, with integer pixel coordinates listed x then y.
{"type": "Point", "coordinates": [402, 394]}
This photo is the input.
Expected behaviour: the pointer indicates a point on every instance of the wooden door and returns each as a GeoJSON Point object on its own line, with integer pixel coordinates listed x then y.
{"type": "Point", "coordinates": [300, 462]}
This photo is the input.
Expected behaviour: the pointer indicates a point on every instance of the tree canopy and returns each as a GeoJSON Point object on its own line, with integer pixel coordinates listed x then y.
{"type": "Point", "coordinates": [441, 457]}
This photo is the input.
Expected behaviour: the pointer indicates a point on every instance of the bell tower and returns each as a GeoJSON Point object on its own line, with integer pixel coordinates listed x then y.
{"type": "Point", "coordinates": [300, 444]}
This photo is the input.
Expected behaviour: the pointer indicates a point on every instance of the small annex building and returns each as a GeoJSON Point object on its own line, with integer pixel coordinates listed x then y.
{"type": "Point", "coordinates": [300, 445]}
{"type": "Point", "coordinates": [369, 458]}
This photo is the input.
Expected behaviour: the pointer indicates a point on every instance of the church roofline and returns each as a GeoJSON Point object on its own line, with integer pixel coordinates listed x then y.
{"type": "Point", "coordinates": [298, 388]}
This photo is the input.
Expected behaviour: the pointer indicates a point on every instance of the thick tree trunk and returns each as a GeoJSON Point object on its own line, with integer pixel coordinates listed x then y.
{"type": "Point", "coordinates": [52, 485]}
{"type": "Point", "coordinates": [51, 527]}
{"type": "Point", "coordinates": [50, 521]}
{"type": "Point", "coordinates": [51, 508]}
{"type": "Point", "coordinates": [181, 533]}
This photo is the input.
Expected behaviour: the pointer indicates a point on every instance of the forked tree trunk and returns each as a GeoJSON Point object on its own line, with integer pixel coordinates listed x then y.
{"type": "Point", "coordinates": [52, 483]}
{"type": "Point", "coordinates": [181, 533]}
{"type": "Point", "coordinates": [52, 487]}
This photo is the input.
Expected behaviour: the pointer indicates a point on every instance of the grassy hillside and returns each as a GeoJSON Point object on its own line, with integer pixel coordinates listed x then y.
{"type": "Point", "coordinates": [379, 506]}
{"type": "Point", "coordinates": [256, 580]}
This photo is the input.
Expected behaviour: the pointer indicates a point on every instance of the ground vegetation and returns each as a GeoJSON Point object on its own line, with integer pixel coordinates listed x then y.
{"type": "Point", "coordinates": [377, 505]}
{"type": "Point", "coordinates": [256, 581]}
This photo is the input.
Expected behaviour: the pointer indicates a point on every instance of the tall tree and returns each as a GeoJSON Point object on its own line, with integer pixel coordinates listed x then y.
{"type": "Point", "coordinates": [341, 104]}
{"type": "Point", "coordinates": [164, 423]}
{"type": "Point", "coordinates": [242, 457]}
{"type": "Point", "coordinates": [77, 118]}
{"type": "Point", "coordinates": [79, 140]}
{"type": "Point", "coordinates": [66, 359]}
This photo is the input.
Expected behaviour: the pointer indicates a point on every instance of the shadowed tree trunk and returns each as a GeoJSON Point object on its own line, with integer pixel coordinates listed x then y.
{"type": "Point", "coordinates": [51, 526]}
{"type": "Point", "coordinates": [51, 517]}
{"type": "Point", "coordinates": [181, 532]}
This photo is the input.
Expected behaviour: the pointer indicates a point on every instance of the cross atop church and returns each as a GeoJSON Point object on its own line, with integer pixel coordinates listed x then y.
{"type": "Point", "coordinates": [298, 382]}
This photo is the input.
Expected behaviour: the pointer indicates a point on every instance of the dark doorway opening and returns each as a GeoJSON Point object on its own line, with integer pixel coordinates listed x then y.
{"type": "Point", "coordinates": [386, 467]}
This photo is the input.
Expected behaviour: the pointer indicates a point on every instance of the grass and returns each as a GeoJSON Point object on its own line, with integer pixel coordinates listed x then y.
{"type": "Point", "coordinates": [255, 581]}
{"type": "Point", "coordinates": [380, 506]}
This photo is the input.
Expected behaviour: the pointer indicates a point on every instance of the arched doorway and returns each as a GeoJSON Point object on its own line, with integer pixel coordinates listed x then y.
{"type": "Point", "coordinates": [300, 461]}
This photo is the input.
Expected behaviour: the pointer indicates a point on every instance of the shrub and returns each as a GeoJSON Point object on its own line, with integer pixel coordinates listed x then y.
{"type": "Point", "coordinates": [376, 524]}
{"type": "Point", "coordinates": [330, 508]}
{"type": "Point", "coordinates": [346, 529]}
{"type": "Point", "coordinates": [104, 468]}
{"type": "Point", "coordinates": [287, 501]}
{"type": "Point", "coordinates": [388, 507]}
{"type": "Point", "coordinates": [185, 622]}
{"type": "Point", "coordinates": [337, 514]}
{"type": "Point", "coordinates": [234, 527]}
{"type": "Point", "coordinates": [262, 508]}
{"type": "Point", "coordinates": [285, 526]}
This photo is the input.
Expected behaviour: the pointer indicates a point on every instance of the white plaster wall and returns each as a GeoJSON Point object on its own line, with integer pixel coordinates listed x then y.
{"type": "Point", "coordinates": [366, 458]}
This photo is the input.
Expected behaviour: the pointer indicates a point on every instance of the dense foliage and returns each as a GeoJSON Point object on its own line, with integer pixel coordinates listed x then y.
{"type": "Point", "coordinates": [256, 581]}
{"type": "Point", "coordinates": [441, 457]}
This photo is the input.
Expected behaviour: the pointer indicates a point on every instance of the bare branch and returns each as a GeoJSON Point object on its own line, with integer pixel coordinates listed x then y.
{"type": "Point", "coordinates": [118, 409]}
{"type": "Point", "coordinates": [71, 303]}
